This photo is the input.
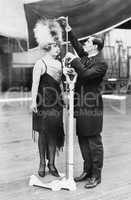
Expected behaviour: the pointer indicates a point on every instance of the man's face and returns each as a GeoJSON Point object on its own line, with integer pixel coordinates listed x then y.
{"type": "Point", "coordinates": [88, 45]}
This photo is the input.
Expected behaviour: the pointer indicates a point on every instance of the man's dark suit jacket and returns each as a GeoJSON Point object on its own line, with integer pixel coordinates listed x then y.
{"type": "Point", "coordinates": [88, 99]}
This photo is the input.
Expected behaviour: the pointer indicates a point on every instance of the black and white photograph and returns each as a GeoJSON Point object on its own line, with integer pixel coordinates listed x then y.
{"type": "Point", "coordinates": [65, 99]}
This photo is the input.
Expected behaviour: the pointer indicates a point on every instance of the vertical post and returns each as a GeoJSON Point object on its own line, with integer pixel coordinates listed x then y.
{"type": "Point", "coordinates": [70, 133]}
{"type": "Point", "coordinates": [119, 67]}
{"type": "Point", "coordinates": [66, 108]}
{"type": "Point", "coordinates": [71, 77]}
{"type": "Point", "coordinates": [66, 36]}
{"type": "Point", "coordinates": [69, 119]}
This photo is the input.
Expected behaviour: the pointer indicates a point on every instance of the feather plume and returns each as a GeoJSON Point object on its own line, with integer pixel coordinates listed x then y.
{"type": "Point", "coordinates": [47, 31]}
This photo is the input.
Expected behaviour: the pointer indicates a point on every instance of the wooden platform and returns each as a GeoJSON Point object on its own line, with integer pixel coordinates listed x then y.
{"type": "Point", "coordinates": [19, 156]}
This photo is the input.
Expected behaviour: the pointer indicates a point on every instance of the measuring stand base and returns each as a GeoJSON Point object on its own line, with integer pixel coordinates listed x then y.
{"type": "Point", "coordinates": [56, 185]}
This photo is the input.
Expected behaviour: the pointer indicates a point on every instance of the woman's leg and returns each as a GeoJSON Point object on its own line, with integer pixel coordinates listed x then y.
{"type": "Point", "coordinates": [51, 155]}
{"type": "Point", "coordinates": [42, 150]}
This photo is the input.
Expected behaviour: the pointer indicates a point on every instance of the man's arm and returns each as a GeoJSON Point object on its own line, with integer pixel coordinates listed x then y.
{"type": "Point", "coordinates": [97, 70]}
{"type": "Point", "coordinates": [72, 38]}
{"type": "Point", "coordinates": [76, 44]}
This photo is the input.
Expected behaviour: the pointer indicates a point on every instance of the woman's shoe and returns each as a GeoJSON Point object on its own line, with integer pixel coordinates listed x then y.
{"type": "Point", "coordinates": [53, 171]}
{"type": "Point", "coordinates": [41, 170]}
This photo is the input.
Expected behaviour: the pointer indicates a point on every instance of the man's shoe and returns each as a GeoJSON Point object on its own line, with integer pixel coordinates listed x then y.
{"type": "Point", "coordinates": [82, 177]}
{"type": "Point", "coordinates": [92, 182]}
{"type": "Point", "coordinates": [41, 170]}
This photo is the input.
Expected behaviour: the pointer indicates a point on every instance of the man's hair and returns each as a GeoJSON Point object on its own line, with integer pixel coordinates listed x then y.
{"type": "Point", "coordinates": [99, 42]}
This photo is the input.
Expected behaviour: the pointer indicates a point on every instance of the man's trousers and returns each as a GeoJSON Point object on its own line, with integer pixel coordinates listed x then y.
{"type": "Point", "coordinates": [92, 152]}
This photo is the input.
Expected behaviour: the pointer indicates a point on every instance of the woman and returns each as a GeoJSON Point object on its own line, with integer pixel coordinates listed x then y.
{"type": "Point", "coordinates": [47, 104]}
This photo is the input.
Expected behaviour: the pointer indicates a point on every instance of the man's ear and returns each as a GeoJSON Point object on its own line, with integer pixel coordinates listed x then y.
{"type": "Point", "coordinates": [95, 46]}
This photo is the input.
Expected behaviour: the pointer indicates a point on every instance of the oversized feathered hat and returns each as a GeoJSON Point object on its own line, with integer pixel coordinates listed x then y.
{"type": "Point", "coordinates": [47, 32]}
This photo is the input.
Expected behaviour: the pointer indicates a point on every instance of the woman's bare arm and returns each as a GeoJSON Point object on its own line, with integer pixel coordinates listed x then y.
{"type": "Point", "coordinates": [37, 72]}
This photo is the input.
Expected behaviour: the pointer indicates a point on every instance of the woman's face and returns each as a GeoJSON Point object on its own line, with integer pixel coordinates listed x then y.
{"type": "Point", "coordinates": [55, 50]}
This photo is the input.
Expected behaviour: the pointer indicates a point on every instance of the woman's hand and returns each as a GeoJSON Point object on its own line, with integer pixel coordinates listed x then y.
{"type": "Point", "coordinates": [34, 106]}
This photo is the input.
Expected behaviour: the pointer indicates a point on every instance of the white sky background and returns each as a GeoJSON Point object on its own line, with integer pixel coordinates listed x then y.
{"type": "Point", "coordinates": [12, 18]}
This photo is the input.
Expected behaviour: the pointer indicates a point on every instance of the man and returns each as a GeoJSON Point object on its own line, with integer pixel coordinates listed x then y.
{"type": "Point", "coordinates": [91, 69]}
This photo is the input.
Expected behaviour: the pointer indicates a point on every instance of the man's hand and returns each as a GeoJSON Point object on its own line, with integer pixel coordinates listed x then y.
{"type": "Point", "coordinates": [34, 107]}
{"type": "Point", "coordinates": [63, 22]}
{"type": "Point", "coordinates": [69, 57]}
{"type": "Point", "coordinates": [68, 70]}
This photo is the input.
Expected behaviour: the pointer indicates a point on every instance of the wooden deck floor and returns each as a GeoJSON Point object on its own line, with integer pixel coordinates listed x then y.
{"type": "Point", "coordinates": [19, 157]}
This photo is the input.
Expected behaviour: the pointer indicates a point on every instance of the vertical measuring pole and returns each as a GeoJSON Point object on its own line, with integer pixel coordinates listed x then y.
{"type": "Point", "coordinates": [70, 84]}
{"type": "Point", "coordinates": [70, 161]}
{"type": "Point", "coordinates": [67, 107]}
{"type": "Point", "coordinates": [71, 77]}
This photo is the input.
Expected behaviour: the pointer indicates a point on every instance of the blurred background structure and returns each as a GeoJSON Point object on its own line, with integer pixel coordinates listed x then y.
{"type": "Point", "coordinates": [16, 61]}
